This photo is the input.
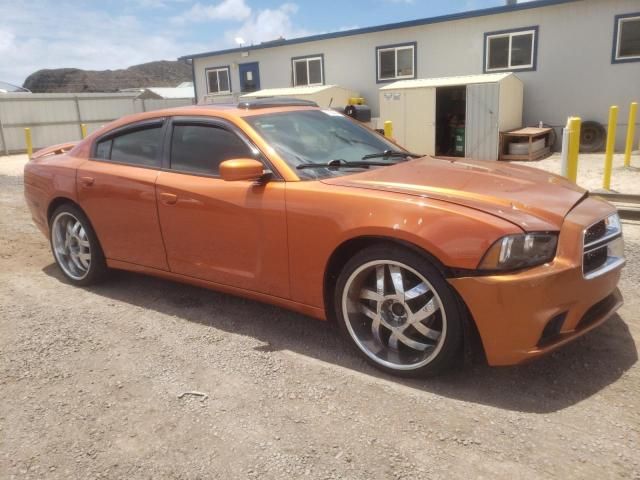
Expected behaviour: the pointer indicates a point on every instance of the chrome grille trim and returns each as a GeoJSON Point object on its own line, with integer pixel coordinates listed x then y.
{"type": "Point", "coordinates": [606, 242]}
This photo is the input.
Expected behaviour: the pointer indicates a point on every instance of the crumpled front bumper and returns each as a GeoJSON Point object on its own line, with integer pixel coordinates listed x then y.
{"type": "Point", "coordinates": [511, 311]}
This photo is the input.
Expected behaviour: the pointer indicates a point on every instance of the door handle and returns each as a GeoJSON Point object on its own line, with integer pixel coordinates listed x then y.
{"type": "Point", "coordinates": [87, 181]}
{"type": "Point", "coordinates": [168, 198]}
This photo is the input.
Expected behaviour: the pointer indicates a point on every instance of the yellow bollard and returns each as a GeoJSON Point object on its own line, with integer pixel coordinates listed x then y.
{"type": "Point", "coordinates": [631, 129]}
{"type": "Point", "coordinates": [388, 129]}
{"type": "Point", "coordinates": [611, 143]}
{"type": "Point", "coordinates": [574, 148]}
{"type": "Point", "coordinates": [27, 138]}
{"type": "Point", "coordinates": [83, 130]}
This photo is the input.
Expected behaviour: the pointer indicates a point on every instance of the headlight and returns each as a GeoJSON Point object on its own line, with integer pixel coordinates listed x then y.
{"type": "Point", "coordinates": [520, 251]}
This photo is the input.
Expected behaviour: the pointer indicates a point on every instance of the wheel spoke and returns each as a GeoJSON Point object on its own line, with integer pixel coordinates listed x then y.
{"type": "Point", "coordinates": [366, 294]}
{"type": "Point", "coordinates": [380, 279]}
{"type": "Point", "coordinates": [368, 312]}
{"type": "Point", "coordinates": [415, 292]}
{"type": "Point", "coordinates": [76, 261]}
{"type": "Point", "coordinates": [396, 277]}
{"type": "Point", "coordinates": [84, 258]}
{"type": "Point", "coordinates": [375, 329]}
{"type": "Point", "coordinates": [426, 311]}
{"type": "Point", "coordinates": [400, 336]}
{"type": "Point", "coordinates": [430, 333]}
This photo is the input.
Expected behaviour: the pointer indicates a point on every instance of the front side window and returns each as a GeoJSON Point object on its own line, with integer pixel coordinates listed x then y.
{"type": "Point", "coordinates": [202, 148]}
{"type": "Point", "coordinates": [510, 50]}
{"type": "Point", "coordinates": [396, 62]}
{"type": "Point", "coordinates": [138, 147]}
{"type": "Point", "coordinates": [308, 71]}
{"type": "Point", "coordinates": [318, 137]}
{"type": "Point", "coordinates": [218, 80]}
{"type": "Point", "coordinates": [627, 38]}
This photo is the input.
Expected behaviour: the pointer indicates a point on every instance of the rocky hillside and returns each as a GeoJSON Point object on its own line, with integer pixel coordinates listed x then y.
{"type": "Point", "coordinates": [73, 80]}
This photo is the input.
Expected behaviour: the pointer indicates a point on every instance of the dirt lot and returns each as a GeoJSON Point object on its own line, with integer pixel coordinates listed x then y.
{"type": "Point", "coordinates": [90, 379]}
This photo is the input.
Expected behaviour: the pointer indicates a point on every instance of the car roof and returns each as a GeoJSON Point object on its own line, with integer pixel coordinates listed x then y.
{"type": "Point", "coordinates": [227, 110]}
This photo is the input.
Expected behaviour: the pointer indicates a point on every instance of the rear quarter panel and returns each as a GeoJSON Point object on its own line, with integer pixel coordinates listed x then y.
{"type": "Point", "coordinates": [46, 179]}
{"type": "Point", "coordinates": [322, 217]}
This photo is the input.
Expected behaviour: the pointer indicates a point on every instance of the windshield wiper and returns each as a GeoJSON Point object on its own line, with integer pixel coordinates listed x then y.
{"type": "Point", "coordinates": [340, 163]}
{"type": "Point", "coordinates": [392, 154]}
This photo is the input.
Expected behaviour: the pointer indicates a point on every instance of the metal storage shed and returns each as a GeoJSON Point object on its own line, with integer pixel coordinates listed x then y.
{"type": "Point", "coordinates": [323, 95]}
{"type": "Point", "coordinates": [453, 115]}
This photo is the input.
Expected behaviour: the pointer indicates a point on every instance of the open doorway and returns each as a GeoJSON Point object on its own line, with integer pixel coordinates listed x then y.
{"type": "Point", "coordinates": [451, 104]}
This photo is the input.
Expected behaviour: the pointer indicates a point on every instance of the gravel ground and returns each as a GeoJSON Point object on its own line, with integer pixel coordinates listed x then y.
{"type": "Point", "coordinates": [591, 170]}
{"type": "Point", "coordinates": [90, 382]}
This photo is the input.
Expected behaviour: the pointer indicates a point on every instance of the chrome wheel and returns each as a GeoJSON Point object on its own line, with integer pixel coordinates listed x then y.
{"type": "Point", "coordinates": [394, 315]}
{"type": "Point", "coordinates": [71, 245]}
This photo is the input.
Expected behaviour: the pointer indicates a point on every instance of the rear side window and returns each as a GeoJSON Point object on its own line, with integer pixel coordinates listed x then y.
{"type": "Point", "coordinates": [140, 147]}
{"type": "Point", "coordinates": [201, 149]}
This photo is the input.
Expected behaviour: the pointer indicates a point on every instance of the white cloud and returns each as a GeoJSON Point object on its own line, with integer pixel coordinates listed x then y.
{"type": "Point", "coordinates": [92, 38]}
{"type": "Point", "coordinates": [226, 10]}
{"type": "Point", "coordinates": [268, 24]}
{"type": "Point", "coordinates": [87, 39]}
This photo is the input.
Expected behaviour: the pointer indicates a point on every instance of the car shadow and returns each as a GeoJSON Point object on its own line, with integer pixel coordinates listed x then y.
{"type": "Point", "coordinates": [551, 383]}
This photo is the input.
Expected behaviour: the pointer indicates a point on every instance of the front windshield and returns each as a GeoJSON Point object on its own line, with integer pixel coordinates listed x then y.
{"type": "Point", "coordinates": [318, 137]}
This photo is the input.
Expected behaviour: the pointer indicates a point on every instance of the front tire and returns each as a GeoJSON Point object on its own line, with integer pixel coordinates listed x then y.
{"type": "Point", "coordinates": [399, 311]}
{"type": "Point", "coordinates": [75, 246]}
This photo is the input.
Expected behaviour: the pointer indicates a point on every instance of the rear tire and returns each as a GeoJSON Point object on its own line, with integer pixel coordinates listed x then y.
{"type": "Point", "coordinates": [399, 312]}
{"type": "Point", "coordinates": [75, 246]}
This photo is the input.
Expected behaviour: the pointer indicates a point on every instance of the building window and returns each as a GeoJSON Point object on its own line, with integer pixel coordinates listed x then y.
{"type": "Point", "coordinates": [308, 70]}
{"type": "Point", "coordinates": [218, 80]}
{"type": "Point", "coordinates": [395, 62]}
{"type": "Point", "coordinates": [511, 50]}
{"type": "Point", "coordinates": [626, 47]}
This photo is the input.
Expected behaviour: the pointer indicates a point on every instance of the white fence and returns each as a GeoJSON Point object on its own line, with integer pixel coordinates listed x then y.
{"type": "Point", "coordinates": [56, 117]}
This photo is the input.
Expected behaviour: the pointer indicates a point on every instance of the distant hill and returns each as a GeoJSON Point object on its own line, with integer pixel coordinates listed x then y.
{"type": "Point", "coordinates": [74, 80]}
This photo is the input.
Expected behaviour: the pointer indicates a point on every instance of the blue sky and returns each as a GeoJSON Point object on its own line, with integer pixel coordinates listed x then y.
{"type": "Point", "coordinates": [110, 34]}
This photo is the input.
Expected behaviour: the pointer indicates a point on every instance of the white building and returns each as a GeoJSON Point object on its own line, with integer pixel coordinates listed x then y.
{"type": "Point", "coordinates": [574, 57]}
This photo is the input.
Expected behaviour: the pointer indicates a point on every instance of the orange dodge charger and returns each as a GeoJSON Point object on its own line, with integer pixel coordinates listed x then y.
{"type": "Point", "coordinates": [283, 202]}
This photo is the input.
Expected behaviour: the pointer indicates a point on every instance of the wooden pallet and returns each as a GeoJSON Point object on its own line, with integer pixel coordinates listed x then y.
{"type": "Point", "coordinates": [531, 134]}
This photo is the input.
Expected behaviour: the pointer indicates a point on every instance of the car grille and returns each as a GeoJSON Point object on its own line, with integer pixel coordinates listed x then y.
{"type": "Point", "coordinates": [602, 247]}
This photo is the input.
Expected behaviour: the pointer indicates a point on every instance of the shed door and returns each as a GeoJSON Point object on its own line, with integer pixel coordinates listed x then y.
{"type": "Point", "coordinates": [481, 125]}
{"type": "Point", "coordinates": [420, 120]}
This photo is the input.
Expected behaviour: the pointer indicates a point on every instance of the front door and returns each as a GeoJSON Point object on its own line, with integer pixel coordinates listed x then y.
{"type": "Point", "coordinates": [249, 77]}
{"type": "Point", "coordinates": [231, 233]}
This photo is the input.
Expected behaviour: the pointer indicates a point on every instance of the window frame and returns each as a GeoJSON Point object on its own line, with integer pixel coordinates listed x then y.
{"type": "Point", "coordinates": [617, 31]}
{"type": "Point", "coordinates": [214, 122]}
{"type": "Point", "coordinates": [131, 128]}
{"type": "Point", "coordinates": [307, 58]}
{"type": "Point", "coordinates": [395, 47]}
{"type": "Point", "coordinates": [223, 68]}
{"type": "Point", "coordinates": [513, 32]}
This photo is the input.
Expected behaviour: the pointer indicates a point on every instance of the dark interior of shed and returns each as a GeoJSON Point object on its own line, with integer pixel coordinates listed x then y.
{"type": "Point", "coordinates": [450, 120]}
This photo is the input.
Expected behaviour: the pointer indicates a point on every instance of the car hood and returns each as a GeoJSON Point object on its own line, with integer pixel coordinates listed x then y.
{"type": "Point", "coordinates": [530, 198]}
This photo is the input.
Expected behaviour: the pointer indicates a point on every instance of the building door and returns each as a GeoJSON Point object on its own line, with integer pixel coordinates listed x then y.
{"type": "Point", "coordinates": [249, 77]}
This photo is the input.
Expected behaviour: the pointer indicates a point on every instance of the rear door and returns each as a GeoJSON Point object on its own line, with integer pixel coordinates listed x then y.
{"type": "Point", "coordinates": [116, 188]}
{"type": "Point", "coordinates": [232, 233]}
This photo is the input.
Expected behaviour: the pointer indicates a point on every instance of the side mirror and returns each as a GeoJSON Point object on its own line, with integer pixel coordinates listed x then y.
{"type": "Point", "coordinates": [241, 169]}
